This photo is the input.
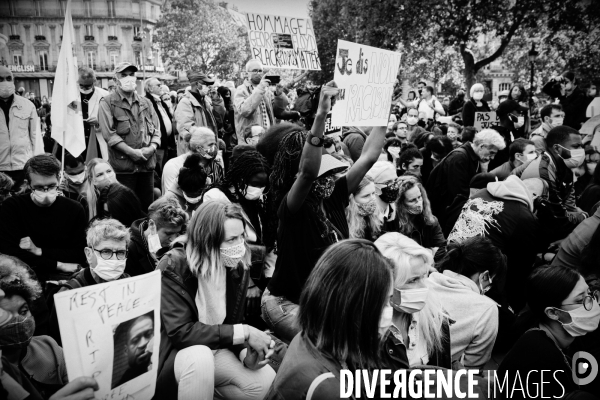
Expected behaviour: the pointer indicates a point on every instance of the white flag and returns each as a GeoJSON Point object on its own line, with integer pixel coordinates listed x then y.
{"type": "Point", "coordinates": [67, 118]}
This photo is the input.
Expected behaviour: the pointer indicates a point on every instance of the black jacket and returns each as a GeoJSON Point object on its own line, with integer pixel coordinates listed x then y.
{"type": "Point", "coordinates": [469, 110]}
{"type": "Point", "coordinates": [180, 327]}
{"type": "Point", "coordinates": [456, 106]}
{"type": "Point", "coordinates": [165, 140]}
{"type": "Point", "coordinates": [574, 105]}
{"type": "Point", "coordinates": [139, 259]}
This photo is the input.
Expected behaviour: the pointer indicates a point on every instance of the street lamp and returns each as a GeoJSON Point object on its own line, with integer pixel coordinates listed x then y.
{"type": "Point", "coordinates": [532, 56]}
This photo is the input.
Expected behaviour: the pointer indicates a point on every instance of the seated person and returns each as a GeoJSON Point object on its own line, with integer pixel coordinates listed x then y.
{"type": "Point", "coordinates": [191, 184]}
{"type": "Point", "coordinates": [253, 133]}
{"type": "Point", "coordinates": [119, 202]}
{"type": "Point", "coordinates": [521, 151]}
{"type": "Point", "coordinates": [74, 184]}
{"type": "Point", "coordinates": [99, 175]}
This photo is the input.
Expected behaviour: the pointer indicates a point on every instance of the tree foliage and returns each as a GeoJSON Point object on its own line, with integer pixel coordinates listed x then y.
{"type": "Point", "coordinates": [200, 35]}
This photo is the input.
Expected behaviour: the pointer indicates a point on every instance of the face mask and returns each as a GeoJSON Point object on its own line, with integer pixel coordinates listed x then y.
{"type": "Point", "coordinates": [7, 89]}
{"type": "Point", "coordinates": [323, 187]}
{"type": "Point", "coordinates": [557, 121]}
{"type": "Point", "coordinates": [253, 193]}
{"type": "Point", "coordinates": [192, 200]}
{"type": "Point", "coordinates": [87, 91]}
{"type": "Point", "coordinates": [394, 151]}
{"type": "Point", "coordinates": [17, 333]}
{"type": "Point", "coordinates": [452, 136]}
{"type": "Point", "coordinates": [389, 194]}
{"type": "Point", "coordinates": [411, 300]}
{"type": "Point", "coordinates": [128, 83]}
{"type": "Point", "coordinates": [582, 320]}
{"type": "Point", "coordinates": [531, 156]}
{"type": "Point", "coordinates": [386, 319]}
{"type": "Point", "coordinates": [477, 96]}
{"type": "Point", "coordinates": [256, 79]}
{"type": "Point", "coordinates": [461, 95]}
{"type": "Point", "coordinates": [576, 159]}
{"type": "Point", "coordinates": [44, 198]}
{"type": "Point", "coordinates": [592, 167]}
{"type": "Point", "coordinates": [76, 179]}
{"type": "Point", "coordinates": [208, 154]}
{"type": "Point", "coordinates": [366, 209]}
{"type": "Point", "coordinates": [232, 255]}
{"type": "Point", "coordinates": [415, 209]}
{"type": "Point", "coordinates": [412, 120]}
{"type": "Point", "coordinates": [109, 270]}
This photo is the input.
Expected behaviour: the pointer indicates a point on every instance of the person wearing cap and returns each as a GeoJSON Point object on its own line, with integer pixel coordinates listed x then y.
{"type": "Point", "coordinates": [17, 128]}
{"type": "Point", "coordinates": [572, 99]}
{"type": "Point", "coordinates": [253, 102]}
{"type": "Point", "coordinates": [200, 106]}
{"type": "Point", "coordinates": [90, 96]}
{"type": "Point", "coordinates": [311, 210]}
{"type": "Point", "coordinates": [168, 147]}
{"type": "Point", "coordinates": [131, 129]}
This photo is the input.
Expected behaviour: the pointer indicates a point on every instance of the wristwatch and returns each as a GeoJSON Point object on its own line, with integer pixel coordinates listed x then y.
{"type": "Point", "coordinates": [315, 140]}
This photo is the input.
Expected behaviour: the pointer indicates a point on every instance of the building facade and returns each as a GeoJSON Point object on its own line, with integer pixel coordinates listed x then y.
{"type": "Point", "coordinates": [106, 32]}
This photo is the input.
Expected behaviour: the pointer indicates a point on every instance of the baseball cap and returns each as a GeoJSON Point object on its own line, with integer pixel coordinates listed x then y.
{"type": "Point", "coordinates": [194, 76]}
{"type": "Point", "coordinates": [503, 93]}
{"type": "Point", "coordinates": [125, 65]}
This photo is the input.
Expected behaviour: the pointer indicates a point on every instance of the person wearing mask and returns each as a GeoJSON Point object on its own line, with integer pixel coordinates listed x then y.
{"type": "Point", "coordinates": [106, 254]}
{"type": "Point", "coordinates": [354, 138]}
{"type": "Point", "coordinates": [90, 96]}
{"type": "Point", "coordinates": [74, 183]}
{"type": "Point", "coordinates": [25, 220]}
{"type": "Point", "coordinates": [151, 237]}
{"type": "Point", "coordinates": [427, 104]}
{"type": "Point", "coordinates": [572, 99]}
{"type": "Point", "coordinates": [591, 194]}
{"type": "Point", "coordinates": [453, 133]}
{"type": "Point", "coordinates": [130, 126]}
{"type": "Point", "coordinates": [552, 116]}
{"type": "Point", "coordinates": [383, 174]}
{"type": "Point", "coordinates": [205, 350]}
{"type": "Point", "coordinates": [474, 105]}
{"type": "Point", "coordinates": [457, 103]}
{"type": "Point", "coordinates": [514, 112]}
{"type": "Point", "coordinates": [452, 175]}
{"type": "Point", "coordinates": [467, 273]}
{"type": "Point", "coordinates": [409, 161]}
{"type": "Point", "coordinates": [564, 151]}
{"type": "Point", "coordinates": [253, 102]}
{"type": "Point", "coordinates": [191, 184]}
{"type": "Point", "coordinates": [415, 219]}
{"type": "Point", "coordinates": [229, 118]}
{"type": "Point", "coordinates": [419, 333]}
{"type": "Point", "coordinates": [363, 222]}
{"type": "Point", "coordinates": [356, 283]}
{"type": "Point", "coordinates": [311, 206]}
{"type": "Point", "coordinates": [521, 151]}
{"type": "Point", "coordinates": [391, 150]}
{"type": "Point", "coordinates": [412, 120]}
{"type": "Point", "coordinates": [153, 90]}
{"type": "Point", "coordinates": [558, 316]}
{"type": "Point", "coordinates": [119, 202]}
{"type": "Point", "coordinates": [99, 175]}
{"type": "Point", "coordinates": [434, 151]}
{"type": "Point", "coordinates": [253, 133]}
{"type": "Point", "coordinates": [201, 106]}
{"type": "Point", "coordinates": [17, 128]}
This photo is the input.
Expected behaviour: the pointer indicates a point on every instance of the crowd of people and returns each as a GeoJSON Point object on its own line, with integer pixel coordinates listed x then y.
{"type": "Point", "coordinates": [287, 255]}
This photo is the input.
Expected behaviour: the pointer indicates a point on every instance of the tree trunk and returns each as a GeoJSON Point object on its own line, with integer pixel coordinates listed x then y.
{"type": "Point", "coordinates": [469, 71]}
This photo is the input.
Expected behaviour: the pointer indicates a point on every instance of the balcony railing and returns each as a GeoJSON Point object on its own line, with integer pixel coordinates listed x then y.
{"type": "Point", "coordinates": [40, 37]}
{"type": "Point", "coordinates": [137, 38]}
{"type": "Point", "coordinates": [14, 37]}
{"type": "Point", "coordinates": [89, 38]}
{"type": "Point", "coordinates": [113, 38]}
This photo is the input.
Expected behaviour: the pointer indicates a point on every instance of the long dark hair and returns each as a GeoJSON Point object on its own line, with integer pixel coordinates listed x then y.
{"type": "Point", "coordinates": [123, 204]}
{"type": "Point", "coordinates": [342, 303]}
{"type": "Point", "coordinates": [549, 286]}
{"type": "Point", "coordinates": [523, 97]}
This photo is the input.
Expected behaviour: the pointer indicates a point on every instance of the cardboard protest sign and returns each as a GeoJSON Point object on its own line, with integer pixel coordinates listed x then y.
{"type": "Point", "coordinates": [486, 120]}
{"type": "Point", "coordinates": [366, 77]}
{"type": "Point", "coordinates": [331, 129]}
{"type": "Point", "coordinates": [111, 331]}
{"type": "Point", "coordinates": [283, 42]}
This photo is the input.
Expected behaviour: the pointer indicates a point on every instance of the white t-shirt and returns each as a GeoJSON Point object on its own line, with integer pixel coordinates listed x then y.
{"type": "Point", "coordinates": [424, 107]}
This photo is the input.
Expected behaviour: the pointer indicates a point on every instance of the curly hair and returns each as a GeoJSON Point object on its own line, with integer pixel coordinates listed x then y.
{"type": "Point", "coordinates": [16, 278]}
{"type": "Point", "coordinates": [407, 182]}
{"type": "Point", "coordinates": [167, 211]}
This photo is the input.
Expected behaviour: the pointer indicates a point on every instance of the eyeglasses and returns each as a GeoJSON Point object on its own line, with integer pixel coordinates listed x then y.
{"type": "Point", "coordinates": [107, 254]}
{"type": "Point", "coordinates": [49, 188]}
{"type": "Point", "coordinates": [588, 301]}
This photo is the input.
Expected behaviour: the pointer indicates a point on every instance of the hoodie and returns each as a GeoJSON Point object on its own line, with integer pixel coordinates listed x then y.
{"type": "Point", "coordinates": [355, 139]}
{"type": "Point", "coordinates": [511, 189]}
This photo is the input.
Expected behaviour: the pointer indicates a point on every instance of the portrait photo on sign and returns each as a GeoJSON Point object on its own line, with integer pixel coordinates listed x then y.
{"type": "Point", "coordinates": [133, 341]}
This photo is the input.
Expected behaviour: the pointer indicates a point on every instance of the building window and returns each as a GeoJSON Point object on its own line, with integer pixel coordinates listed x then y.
{"type": "Point", "coordinates": [136, 30]}
{"type": "Point", "coordinates": [91, 59]}
{"type": "Point", "coordinates": [111, 8]}
{"type": "Point", "coordinates": [38, 8]}
{"type": "Point", "coordinates": [114, 59]}
{"type": "Point", "coordinates": [17, 59]}
{"type": "Point", "coordinates": [43, 61]}
{"type": "Point", "coordinates": [112, 31]}
{"type": "Point", "coordinates": [89, 30]}
{"type": "Point", "coordinates": [138, 57]}
{"type": "Point", "coordinates": [87, 4]}
{"type": "Point", "coordinates": [504, 86]}
{"type": "Point", "coordinates": [14, 29]}
{"type": "Point", "coordinates": [63, 7]}
{"type": "Point", "coordinates": [40, 29]}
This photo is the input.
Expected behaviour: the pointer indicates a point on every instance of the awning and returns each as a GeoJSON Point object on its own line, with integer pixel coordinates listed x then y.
{"type": "Point", "coordinates": [33, 75]}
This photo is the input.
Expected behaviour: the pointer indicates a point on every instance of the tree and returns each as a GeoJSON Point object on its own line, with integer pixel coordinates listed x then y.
{"type": "Point", "coordinates": [200, 35]}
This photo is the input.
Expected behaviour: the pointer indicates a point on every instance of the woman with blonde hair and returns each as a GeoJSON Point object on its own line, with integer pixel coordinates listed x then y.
{"type": "Point", "coordinates": [100, 174]}
{"type": "Point", "coordinates": [363, 221]}
{"type": "Point", "coordinates": [419, 334]}
{"type": "Point", "coordinates": [205, 350]}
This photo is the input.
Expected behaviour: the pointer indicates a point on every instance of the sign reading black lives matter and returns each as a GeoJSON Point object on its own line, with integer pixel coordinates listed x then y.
{"type": "Point", "coordinates": [283, 42]}
{"type": "Point", "coordinates": [366, 77]}
{"type": "Point", "coordinates": [111, 331]}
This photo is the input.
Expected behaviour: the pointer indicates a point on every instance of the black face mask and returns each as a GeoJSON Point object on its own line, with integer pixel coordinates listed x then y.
{"type": "Point", "coordinates": [323, 187]}
{"type": "Point", "coordinates": [461, 95]}
{"type": "Point", "coordinates": [389, 194]}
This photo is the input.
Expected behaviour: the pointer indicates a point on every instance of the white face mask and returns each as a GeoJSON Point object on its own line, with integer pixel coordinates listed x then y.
{"type": "Point", "coordinates": [394, 151]}
{"type": "Point", "coordinates": [557, 121]}
{"type": "Point", "coordinates": [232, 255]}
{"type": "Point", "coordinates": [153, 239]}
{"type": "Point", "coordinates": [76, 179]}
{"type": "Point", "coordinates": [412, 120]}
{"type": "Point", "coordinates": [411, 300]}
{"type": "Point", "coordinates": [253, 193]}
{"type": "Point", "coordinates": [87, 91]}
{"type": "Point", "coordinates": [477, 96]}
{"type": "Point", "coordinates": [44, 199]}
{"type": "Point", "coordinates": [531, 156]}
{"type": "Point", "coordinates": [128, 83]}
{"type": "Point", "coordinates": [109, 270]}
{"type": "Point", "coordinates": [7, 89]}
{"type": "Point", "coordinates": [386, 319]}
{"type": "Point", "coordinates": [192, 200]}
{"type": "Point", "coordinates": [452, 135]}
{"type": "Point", "coordinates": [582, 320]}
{"type": "Point", "coordinates": [577, 157]}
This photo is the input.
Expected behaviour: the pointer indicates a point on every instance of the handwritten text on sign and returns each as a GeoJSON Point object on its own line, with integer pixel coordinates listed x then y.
{"type": "Point", "coordinates": [366, 77]}
{"type": "Point", "coordinates": [111, 331]}
{"type": "Point", "coordinates": [283, 42]}
{"type": "Point", "coordinates": [486, 120]}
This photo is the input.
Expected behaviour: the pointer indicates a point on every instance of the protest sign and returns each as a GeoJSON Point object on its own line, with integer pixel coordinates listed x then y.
{"type": "Point", "coordinates": [283, 42]}
{"type": "Point", "coordinates": [486, 120]}
{"type": "Point", "coordinates": [111, 331]}
{"type": "Point", "coordinates": [329, 127]}
{"type": "Point", "coordinates": [366, 77]}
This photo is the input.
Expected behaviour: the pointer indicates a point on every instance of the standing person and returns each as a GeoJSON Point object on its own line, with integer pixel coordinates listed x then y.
{"type": "Point", "coordinates": [131, 129]}
{"type": "Point", "coordinates": [205, 350]}
{"type": "Point", "coordinates": [572, 99]}
{"type": "Point", "coordinates": [457, 103]}
{"type": "Point", "coordinates": [514, 112]}
{"type": "Point", "coordinates": [17, 129]}
{"type": "Point", "coordinates": [383, 174]}
{"type": "Point", "coordinates": [552, 116]}
{"type": "Point", "coordinates": [90, 99]}
{"type": "Point", "coordinates": [475, 104]}
{"type": "Point", "coordinates": [343, 314]}
{"type": "Point", "coordinates": [453, 174]}
{"type": "Point", "coordinates": [253, 102]}
{"type": "Point", "coordinates": [427, 104]}
{"type": "Point", "coordinates": [196, 108]}
{"type": "Point", "coordinates": [167, 138]}
{"type": "Point", "coordinates": [521, 151]}
{"type": "Point", "coordinates": [43, 229]}
{"type": "Point", "coordinates": [311, 210]}
{"type": "Point", "coordinates": [363, 221]}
